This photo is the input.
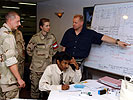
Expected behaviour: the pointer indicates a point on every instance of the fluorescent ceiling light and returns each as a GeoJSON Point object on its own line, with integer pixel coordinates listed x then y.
{"type": "Point", "coordinates": [23, 14]}
{"type": "Point", "coordinates": [10, 7]}
{"type": "Point", "coordinates": [32, 16]}
{"type": "Point", "coordinates": [22, 18]}
{"type": "Point", "coordinates": [22, 3]}
{"type": "Point", "coordinates": [22, 21]}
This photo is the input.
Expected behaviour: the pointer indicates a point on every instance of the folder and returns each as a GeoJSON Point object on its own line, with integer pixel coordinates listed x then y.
{"type": "Point", "coordinates": [112, 82]}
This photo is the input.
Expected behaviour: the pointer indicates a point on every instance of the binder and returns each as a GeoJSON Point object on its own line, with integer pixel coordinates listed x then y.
{"type": "Point", "coordinates": [112, 82]}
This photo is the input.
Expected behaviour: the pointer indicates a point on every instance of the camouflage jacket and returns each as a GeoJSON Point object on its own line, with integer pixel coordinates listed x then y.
{"type": "Point", "coordinates": [20, 45]}
{"type": "Point", "coordinates": [8, 55]}
{"type": "Point", "coordinates": [21, 51]}
{"type": "Point", "coordinates": [41, 48]}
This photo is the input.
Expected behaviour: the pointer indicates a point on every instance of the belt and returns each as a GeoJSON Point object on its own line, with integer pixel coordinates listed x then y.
{"type": "Point", "coordinates": [79, 60]}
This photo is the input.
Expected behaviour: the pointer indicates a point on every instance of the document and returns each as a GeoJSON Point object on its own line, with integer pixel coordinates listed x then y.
{"type": "Point", "coordinates": [72, 89]}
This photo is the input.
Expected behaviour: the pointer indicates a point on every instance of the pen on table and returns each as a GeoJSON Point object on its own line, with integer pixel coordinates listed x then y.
{"type": "Point", "coordinates": [87, 93]}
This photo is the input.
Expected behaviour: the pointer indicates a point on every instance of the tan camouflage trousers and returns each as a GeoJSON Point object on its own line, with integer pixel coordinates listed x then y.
{"type": "Point", "coordinates": [35, 77]}
{"type": "Point", "coordinates": [12, 93]}
{"type": "Point", "coordinates": [1, 95]}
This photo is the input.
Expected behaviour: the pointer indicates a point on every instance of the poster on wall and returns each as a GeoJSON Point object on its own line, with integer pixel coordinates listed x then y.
{"type": "Point", "coordinates": [88, 13]}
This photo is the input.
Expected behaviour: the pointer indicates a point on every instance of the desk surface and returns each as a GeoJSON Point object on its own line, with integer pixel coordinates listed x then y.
{"type": "Point", "coordinates": [90, 86]}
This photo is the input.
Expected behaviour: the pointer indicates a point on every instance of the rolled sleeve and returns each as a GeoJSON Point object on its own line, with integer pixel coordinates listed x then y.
{"type": "Point", "coordinates": [11, 61]}
{"type": "Point", "coordinates": [9, 48]}
{"type": "Point", "coordinates": [77, 76]}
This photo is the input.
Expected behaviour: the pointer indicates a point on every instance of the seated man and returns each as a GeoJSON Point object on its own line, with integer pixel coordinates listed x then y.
{"type": "Point", "coordinates": [58, 76]}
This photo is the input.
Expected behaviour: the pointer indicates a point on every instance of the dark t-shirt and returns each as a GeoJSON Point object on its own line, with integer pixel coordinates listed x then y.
{"type": "Point", "coordinates": [79, 45]}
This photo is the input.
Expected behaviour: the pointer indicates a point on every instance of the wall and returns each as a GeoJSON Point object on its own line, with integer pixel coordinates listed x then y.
{"type": "Point", "coordinates": [70, 7]}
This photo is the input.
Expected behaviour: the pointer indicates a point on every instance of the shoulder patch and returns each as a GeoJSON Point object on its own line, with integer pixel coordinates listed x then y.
{"type": "Point", "coordinates": [35, 35]}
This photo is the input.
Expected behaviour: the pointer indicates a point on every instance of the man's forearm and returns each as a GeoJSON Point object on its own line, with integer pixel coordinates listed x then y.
{"type": "Point", "coordinates": [14, 70]}
{"type": "Point", "coordinates": [108, 39]}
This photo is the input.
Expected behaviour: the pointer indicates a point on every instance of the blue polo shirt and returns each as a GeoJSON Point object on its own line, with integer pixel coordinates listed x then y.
{"type": "Point", "coordinates": [79, 45]}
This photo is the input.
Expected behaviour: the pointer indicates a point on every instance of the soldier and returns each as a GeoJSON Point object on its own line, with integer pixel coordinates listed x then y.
{"type": "Point", "coordinates": [11, 80]}
{"type": "Point", "coordinates": [21, 51]}
{"type": "Point", "coordinates": [41, 47]}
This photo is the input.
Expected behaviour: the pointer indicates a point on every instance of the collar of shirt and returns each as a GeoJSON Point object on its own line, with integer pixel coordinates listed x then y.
{"type": "Point", "coordinates": [58, 70]}
{"type": "Point", "coordinates": [83, 31]}
{"type": "Point", "coordinates": [7, 27]}
{"type": "Point", "coordinates": [43, 36]}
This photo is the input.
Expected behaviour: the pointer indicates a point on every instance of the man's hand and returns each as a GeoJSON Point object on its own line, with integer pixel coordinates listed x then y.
{"type": "Point", "coordinates": [123, 44]}
{"type": "Point", "coordinates": [73, 61]}
{"type": "Point", "coordinates": [109, 39]}
{"type": "Point", "coordinates": [65, 87]}
{"type": "Point", "coordinates": [21, 83]}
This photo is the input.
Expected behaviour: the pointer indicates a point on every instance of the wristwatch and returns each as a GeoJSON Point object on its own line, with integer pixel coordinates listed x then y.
{"type": "Point", "coordinates": [117, 40]}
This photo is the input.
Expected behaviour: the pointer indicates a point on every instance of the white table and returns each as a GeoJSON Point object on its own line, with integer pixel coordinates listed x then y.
{"type": "Point", "coordinates": [90, 86]}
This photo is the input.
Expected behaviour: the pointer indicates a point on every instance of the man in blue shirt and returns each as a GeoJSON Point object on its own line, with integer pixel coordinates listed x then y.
{"type": "Point", "coordinates": [77, 41]}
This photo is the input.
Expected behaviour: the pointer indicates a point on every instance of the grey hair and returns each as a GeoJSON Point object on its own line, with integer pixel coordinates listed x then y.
{"type": "Point", "coordinates": [11, 15]}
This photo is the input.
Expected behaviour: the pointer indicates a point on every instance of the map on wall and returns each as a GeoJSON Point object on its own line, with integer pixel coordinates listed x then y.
{"type": "Point", "coordinates": [115, 20]}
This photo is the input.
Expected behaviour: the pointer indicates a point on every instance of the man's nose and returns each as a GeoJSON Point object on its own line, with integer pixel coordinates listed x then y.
{"type": "Point", "coordinates": [19, 23]}
{"type": "Point", "coordinates": [67, 66]}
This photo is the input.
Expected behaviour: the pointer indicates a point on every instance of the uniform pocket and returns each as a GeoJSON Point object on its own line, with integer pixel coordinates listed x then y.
{"type": "Point", "coordinates": [12, 94]}
{"type": "Point", "coordinates": [40, 49]}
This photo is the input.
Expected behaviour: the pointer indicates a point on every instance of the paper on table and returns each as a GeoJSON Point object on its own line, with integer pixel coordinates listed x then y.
{"type": "Point", "coordinates": [92, 85]}
{"type": "Point", "coordinates": [72, 89]}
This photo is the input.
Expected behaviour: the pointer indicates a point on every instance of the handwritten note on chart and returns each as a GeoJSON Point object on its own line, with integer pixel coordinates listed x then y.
{"type": "Point", "coordinates": [115, 20]}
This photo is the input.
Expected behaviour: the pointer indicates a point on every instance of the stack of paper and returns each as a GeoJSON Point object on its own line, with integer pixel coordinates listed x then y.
{"type": "Point", "coordinates": [115, 83]}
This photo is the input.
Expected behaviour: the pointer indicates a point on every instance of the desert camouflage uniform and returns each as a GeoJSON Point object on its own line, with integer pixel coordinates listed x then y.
{"type": "Point", "coordinates": [41, 48]}
{"type": "Point", "coordinates": [8, 55]}
{"type": "Point", "coordinates": [21, 51]}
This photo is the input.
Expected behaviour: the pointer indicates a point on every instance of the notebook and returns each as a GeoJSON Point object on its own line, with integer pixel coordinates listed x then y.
{"type": "Point", "coordinates": [112, 82]}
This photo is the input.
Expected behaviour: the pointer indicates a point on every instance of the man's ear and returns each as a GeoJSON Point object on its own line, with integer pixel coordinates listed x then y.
{"type": "Point", "coordinates": [82, 22]}
{"type": "Point", "coordinates": [58, 62]}
{"type": "Point", "coordinates": [9, 20]}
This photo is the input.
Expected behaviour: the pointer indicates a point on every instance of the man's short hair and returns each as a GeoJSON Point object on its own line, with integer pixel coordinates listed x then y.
{"type": "Point", "coordinates": [11, 14]}
{"type": "Point", "coordinates": [79, 16]}
{"type": "Point", "coordinates": [42, 21]}
{"type": "Point", "coordinates": [61, 56]}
